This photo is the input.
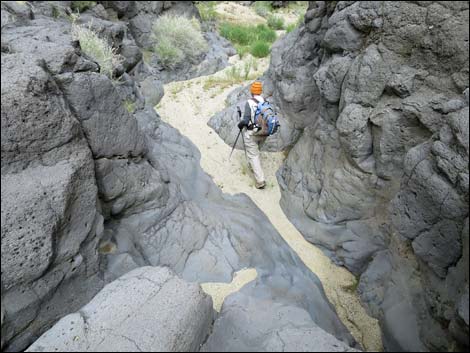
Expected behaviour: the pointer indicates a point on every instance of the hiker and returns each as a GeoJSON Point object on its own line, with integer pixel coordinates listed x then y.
{"type": "Point", "coordinates": [255, 135]}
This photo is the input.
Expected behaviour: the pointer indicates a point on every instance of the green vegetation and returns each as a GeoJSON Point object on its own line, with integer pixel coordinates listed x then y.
{"type": "Point", "coordinates": [237, 34]}
{"type": "Point", "coordinates": [129, 105]}
{"type": "Point", "coordinates": [263, 8]}
{"type": "Point", "coordinates": [178, 39]}
{"type": "Point", "coordinates": [260, 49]}
{"type": "Point", "coordinates": [352, 288]}
{"type": "Point", "coordinates": [253, 39]}
{"type": "Point", "coordinates": [266, 34]}
{"type": "Point", "coordinates": [234, 75]}
{"type": "Point", "coordinates": [96, 48]}
{"type": "Point", "coordinates": [207, 10]}
{"type": "Point", "coordinates": [81, 6]}
{"type": "Point", "coordinates": [275, 22]}
{"type": "Point", "coordinates": [241, 50]}
{"type": "Point", "coordinates": [55, 11]}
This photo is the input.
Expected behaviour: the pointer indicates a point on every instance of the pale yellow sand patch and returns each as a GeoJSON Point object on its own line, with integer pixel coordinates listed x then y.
{"type": "Point", "coordinates": [220, 291]}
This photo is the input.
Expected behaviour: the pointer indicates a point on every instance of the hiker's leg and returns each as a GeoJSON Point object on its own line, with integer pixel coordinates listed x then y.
{"type": "Point", "coordinates": [252, 151]}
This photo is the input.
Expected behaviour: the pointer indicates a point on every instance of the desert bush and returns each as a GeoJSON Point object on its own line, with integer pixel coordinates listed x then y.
{"type": "Point", "coordinates": [265, 34]}
{"type": "Point", "coordinates": [96, 48]}
{"type": "Point", "coordinates": [262, 8]}
{"type": "Point", "coordinates": [207, 10]}
{"type": "Point", "coordinates": [81, 6]}
{"type": "Point", "coordinates": [178, 39]}
{"type": "Point", "coordinates": [245, 34]}
{"type": "Point", "coordinates": [244, 37]}
{"type": "Point", "coordinates": [237, 34]}
{"type": "Point", "coordinates": [275, 22]}
{"type": "Point", "coordinates": [260, 49]}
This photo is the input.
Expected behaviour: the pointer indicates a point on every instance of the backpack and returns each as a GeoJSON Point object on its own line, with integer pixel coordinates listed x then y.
{"type": "Point", "coordinates": [266, 121]}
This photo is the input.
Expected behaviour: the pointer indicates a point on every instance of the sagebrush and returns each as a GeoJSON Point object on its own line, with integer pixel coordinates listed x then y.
{"type": "Point", "coordinates": [178, 39]}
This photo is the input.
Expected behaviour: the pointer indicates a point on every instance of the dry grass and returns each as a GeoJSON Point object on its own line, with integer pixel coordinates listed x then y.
{"type": "Point", "coordinates": [177, 39]}
{"type": "Point", "coordinates": [96, 48]}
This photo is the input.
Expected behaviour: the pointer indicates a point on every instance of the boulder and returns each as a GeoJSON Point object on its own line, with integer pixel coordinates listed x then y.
{"type": "Point", "coordinates": [148, 309]}
{"type": "Point", "coordinates": [257, 325]}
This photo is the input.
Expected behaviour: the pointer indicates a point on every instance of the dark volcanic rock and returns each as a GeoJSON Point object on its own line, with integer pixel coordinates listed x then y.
{"type": "Point", "coordinates": [379, 175]}
{"type": "Point", "coordinates": [95, 185]}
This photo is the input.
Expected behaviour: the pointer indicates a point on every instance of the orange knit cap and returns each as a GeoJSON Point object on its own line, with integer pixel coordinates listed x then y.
{"type": "Point", "coordinates": [256, 88]}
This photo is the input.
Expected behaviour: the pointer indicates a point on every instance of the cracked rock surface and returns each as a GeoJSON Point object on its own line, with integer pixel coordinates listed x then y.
{"type": "Point", "coordinates": [147, 310]}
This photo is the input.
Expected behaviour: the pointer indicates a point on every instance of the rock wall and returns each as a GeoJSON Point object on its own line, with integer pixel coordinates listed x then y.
{"type": "Point", "coordinates": [139, 16]}
{"type": "Point", "coordinates": [378, 178]}
{"type": "Point", "coordinates": [94, 185]}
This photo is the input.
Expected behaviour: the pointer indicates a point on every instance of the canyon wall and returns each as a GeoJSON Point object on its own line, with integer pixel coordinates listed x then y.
{"type": "Point", "coordinates": [378, 178]}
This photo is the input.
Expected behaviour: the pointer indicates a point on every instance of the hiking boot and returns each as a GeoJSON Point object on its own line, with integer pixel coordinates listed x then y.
{"type": "Point", "coordinates": [260, 185]}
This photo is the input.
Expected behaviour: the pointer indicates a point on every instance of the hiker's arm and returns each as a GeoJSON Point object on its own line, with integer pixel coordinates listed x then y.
{"type": "Point", "coordinates": [247, 114]}
{"type": "Point", "coordinates": [246, 117]}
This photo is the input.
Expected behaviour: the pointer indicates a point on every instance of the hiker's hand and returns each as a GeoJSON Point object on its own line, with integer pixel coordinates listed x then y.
{"type": "Point", "coordinates": [241, 124]}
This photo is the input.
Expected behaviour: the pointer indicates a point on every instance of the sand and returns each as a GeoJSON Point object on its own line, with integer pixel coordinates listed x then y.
{"type": "Point", "coordinates": [190, 100]}
{"type": "Point", "coordinates": [220, 291]}
{"type": "Point", "coordinates": [197, 104]}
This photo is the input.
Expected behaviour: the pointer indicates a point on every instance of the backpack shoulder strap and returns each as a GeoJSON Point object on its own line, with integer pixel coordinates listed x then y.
{"type": "Point", "coordinates": [255, 100]}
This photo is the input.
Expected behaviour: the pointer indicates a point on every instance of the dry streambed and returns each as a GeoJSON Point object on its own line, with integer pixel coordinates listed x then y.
{"type": "Point", "coordinates": [187, 106]}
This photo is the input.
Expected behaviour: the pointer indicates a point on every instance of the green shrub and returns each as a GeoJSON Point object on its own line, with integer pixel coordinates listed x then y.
{"type": "Point", "coordinates": [81, 6]}
{"type": "Point", "coordinates": [237, 34]}
{"type": "Point", "coordinates": [262, 8]}
{"type": "Point", "coordinates": [207, 10]}
{"type": "Point", "coordinates": [96, 48]}
{"type": "Point", "coordinates": [244, 37]}
{"type": "Point", "coordinates": [265, 34]}
{"type": "Point", "coordinates": [178, 39]}
{"type": "Point", "coordinates": [245, 34]}
{"type": "Point", "coordinates": [275, 22]}
{"type": "Point", "coordinates": [259, 49]}
{"type": "Point", "coordinates": [242, 50]}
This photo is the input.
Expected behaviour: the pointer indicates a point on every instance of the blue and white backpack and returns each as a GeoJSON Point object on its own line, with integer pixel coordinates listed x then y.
{"type": "Point", "coordinates": [266, 122]}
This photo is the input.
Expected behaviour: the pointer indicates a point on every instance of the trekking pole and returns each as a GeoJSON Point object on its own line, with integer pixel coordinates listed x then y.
{"type": "Point", "coordinates": [236, 140]}
{"type": "Point", "coordinates": [235, 144]}
{"type": "Point", "coordinates": [243, 138]}
{"type": "Point", "coordinates": [239, 132]}
{"type": "Point", "coordinates": [244, 148]}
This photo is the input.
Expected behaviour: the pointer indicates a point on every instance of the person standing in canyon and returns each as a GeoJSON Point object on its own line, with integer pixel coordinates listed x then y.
{"type": "Point", "coordinates": [253, 141]}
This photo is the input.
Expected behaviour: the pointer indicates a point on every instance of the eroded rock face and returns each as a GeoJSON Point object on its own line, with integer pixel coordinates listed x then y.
{"type": "Point", "coordinates": [94, 185]}
{"type": "Point", "coordinates": [149, 309]}
{"type": "Point", "coordinates": [140, 17]}
{"type": "Point", "coordinates": [379, 91]}
{"type": "Point", "coordinates": [50, 216]}
{"type": "Point", "coordinates": [272, 328]}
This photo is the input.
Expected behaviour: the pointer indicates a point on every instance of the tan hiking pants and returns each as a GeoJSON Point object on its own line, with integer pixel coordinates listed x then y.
{"type": "Point", "coordinates": [252, 143]}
